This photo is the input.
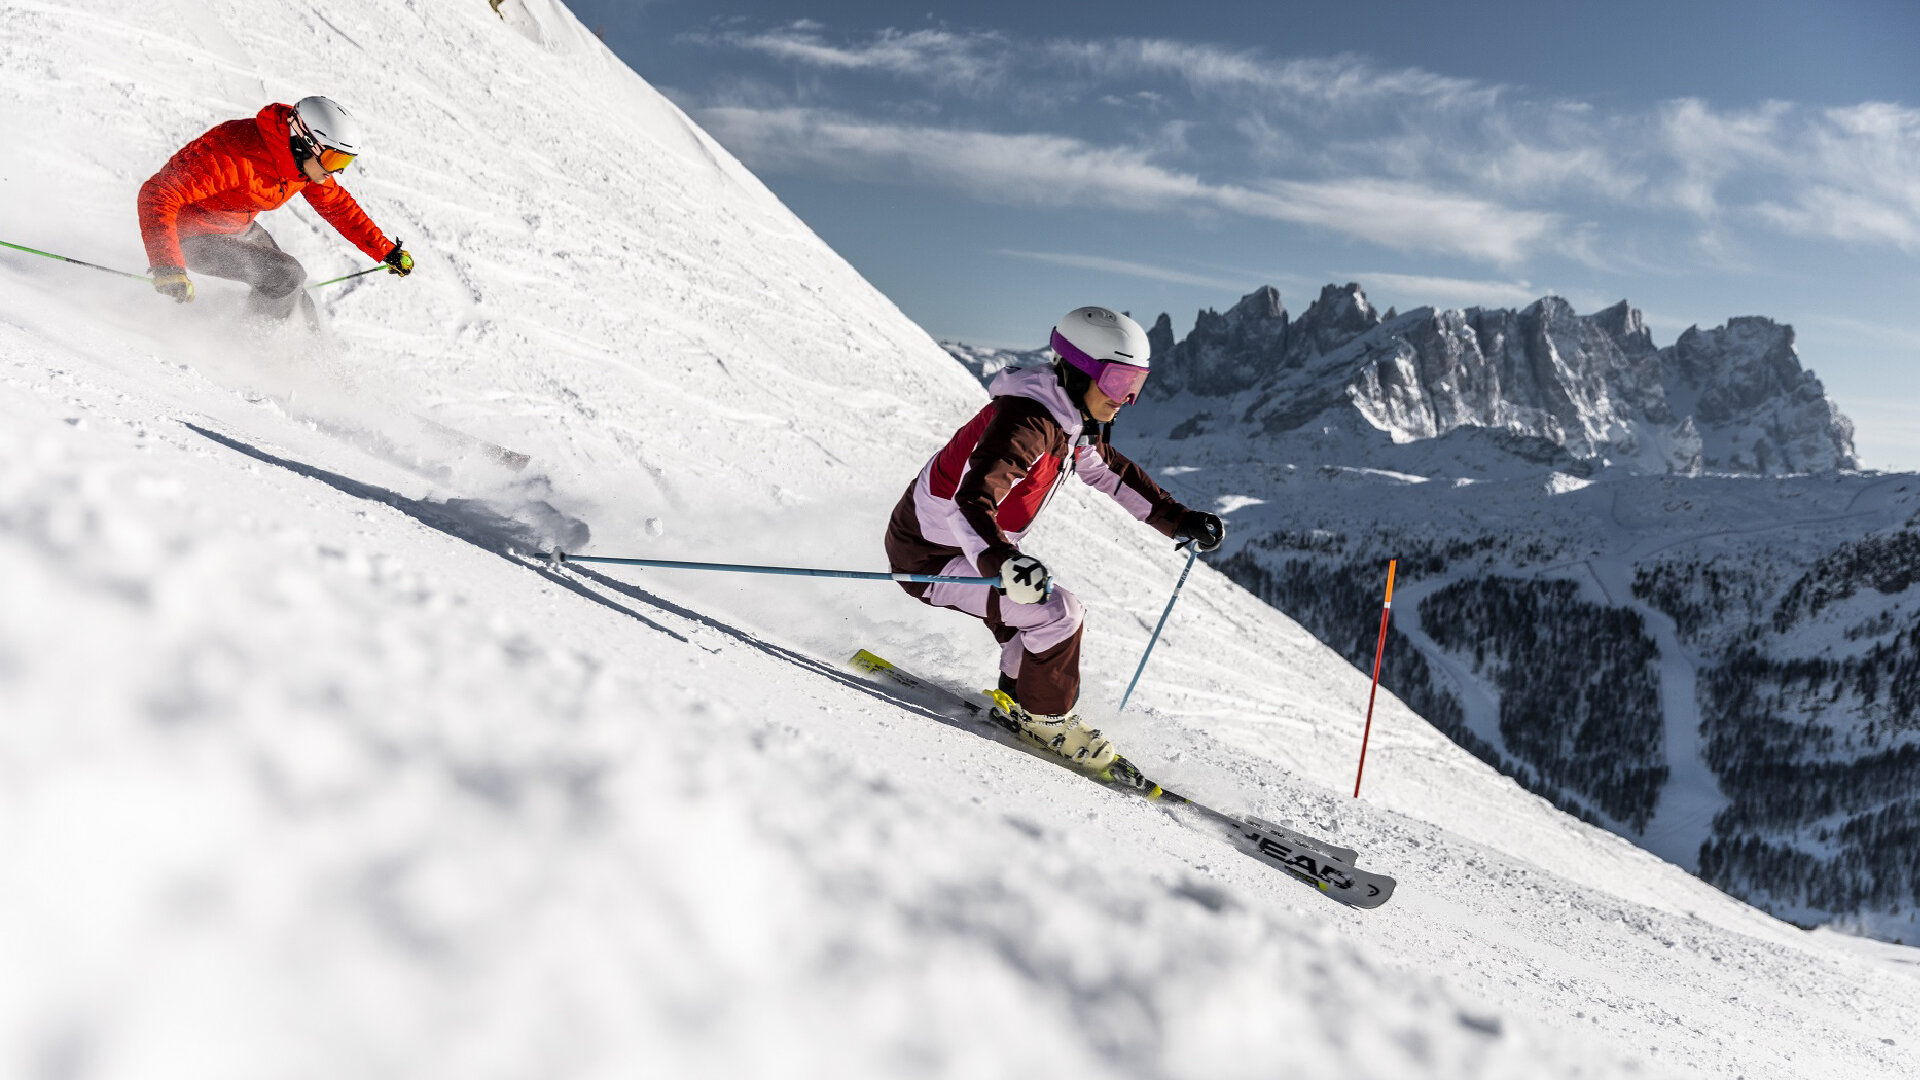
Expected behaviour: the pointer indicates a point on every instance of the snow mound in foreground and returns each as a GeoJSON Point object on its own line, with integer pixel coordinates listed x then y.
{"type": "Point", "coordinates": [308, 770]}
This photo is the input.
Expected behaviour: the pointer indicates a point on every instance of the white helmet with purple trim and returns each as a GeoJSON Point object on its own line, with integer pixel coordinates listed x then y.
{"type": "Point", "coordinates": [1109, 347]}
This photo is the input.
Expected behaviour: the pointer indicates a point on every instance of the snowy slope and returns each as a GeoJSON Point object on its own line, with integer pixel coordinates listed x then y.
{"type": "Point", "coordinates": [307, 771]}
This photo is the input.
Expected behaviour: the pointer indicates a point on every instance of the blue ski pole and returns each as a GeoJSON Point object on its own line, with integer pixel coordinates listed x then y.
{"type": "Point", "coordinates": [560, 557]}
{"type": "Point", "coordinates": [1193, 552]}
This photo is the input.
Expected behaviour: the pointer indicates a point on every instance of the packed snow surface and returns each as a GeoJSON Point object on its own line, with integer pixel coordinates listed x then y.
{"type": "Point", "coordinates": [309, 769]}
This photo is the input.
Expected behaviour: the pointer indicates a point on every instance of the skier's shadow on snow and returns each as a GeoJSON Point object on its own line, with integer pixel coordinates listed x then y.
{"type": "Point", "coordinates": [465, 519]}
{"type": "Point", "coordinates": [519, 543]}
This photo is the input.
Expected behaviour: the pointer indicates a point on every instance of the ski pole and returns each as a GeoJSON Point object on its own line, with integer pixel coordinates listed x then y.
{"type": "Point", "coordinates": [1380, 650]}
{"type": "Point", "coordinates": [76, 262]}
{"type": "Point", "coordinates": [143, 277]}
{"type": "Point", "coordinates": [344, 277]}
{"type": "Point", "coordinates": [1193, 553]}
{"type": "Point", "coordinates": [560, 557]}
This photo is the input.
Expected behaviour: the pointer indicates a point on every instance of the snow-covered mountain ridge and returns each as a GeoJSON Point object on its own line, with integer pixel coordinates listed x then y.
{"type": "Point", "coordinates": [1733, 399]}
{"type": "Point", "coordinates": [308, 769]}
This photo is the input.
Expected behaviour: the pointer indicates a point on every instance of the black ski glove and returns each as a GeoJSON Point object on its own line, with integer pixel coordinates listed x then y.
{"type": "Point", "coordinates": [1204, 529]}
{"type": "Point", "coordinates": [398, 261]}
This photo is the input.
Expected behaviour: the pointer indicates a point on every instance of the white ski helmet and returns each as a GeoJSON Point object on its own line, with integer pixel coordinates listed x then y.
{"type": "Point", "coordinates": [1109, 347]}
{"type": "Point", "coordinates": [329, 125]}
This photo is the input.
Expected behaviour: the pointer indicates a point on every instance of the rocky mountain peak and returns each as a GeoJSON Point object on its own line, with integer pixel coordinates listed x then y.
{"type": "Point", "coordinates": [1262, 304]}
{"type": "Point", "coordinates": [1224, 351]}
{"type": "Point", "coordinates": [1341, 314]}
{"type": "Point", "coordinates": [1752, 350]}
{"type": "Point", "coordinates": [1160, 338]}
{"type": "Point", "coordinates": [1732, 399]}
{"type": "Point", "coordinates": [1626, 326]}
{"type": "Point", "coordinates": [1757, 408]}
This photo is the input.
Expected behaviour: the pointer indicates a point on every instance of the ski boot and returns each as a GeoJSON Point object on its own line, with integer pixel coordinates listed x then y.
{"type": "Point", "coordinates": [1067, 736]}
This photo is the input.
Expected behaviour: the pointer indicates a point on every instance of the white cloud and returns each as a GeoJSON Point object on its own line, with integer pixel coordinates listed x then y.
{"type": "Point", "coordinates": [976, 62]}
{"type": "Point", "coordinates": [1856, 178]}
{"type": "Point", "coordinates": [1401, 157]}
{"type": "Point", "coordinates": [1854, 217]}
{"type": "Point", "coordinates": [1880, 332]}
{"type": "Point", "coordinates": [1345, 81]}
{"type": "Point", "coordinates": [1127, 268]}
{"type": "Point", "coordinates": [1518, 166]}
{"type": "Point", "coordinates": [1403, 215]}
{"type": "Point", "coordinates": [1341, 82]}
{"type": "Point", "coordinates": [1706, 148]}
{"type": "Point", "coordinates": [1445, 291]}
{"type": "Point", "coordinates": [1055, 170]}
{"type": "Point", "coordinates": [1034, 169]}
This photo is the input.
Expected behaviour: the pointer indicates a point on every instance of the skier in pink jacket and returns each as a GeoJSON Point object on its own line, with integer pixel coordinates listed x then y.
{"type": "Point", "coordinates": [967, 510]}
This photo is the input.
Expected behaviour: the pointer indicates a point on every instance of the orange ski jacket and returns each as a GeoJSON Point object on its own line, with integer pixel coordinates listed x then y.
{"type": "Point", "coordinates": [219, 182]}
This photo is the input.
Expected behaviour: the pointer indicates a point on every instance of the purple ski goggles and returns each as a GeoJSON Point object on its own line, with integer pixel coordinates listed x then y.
{"type": "Point", "coordinates": [1120, 382]}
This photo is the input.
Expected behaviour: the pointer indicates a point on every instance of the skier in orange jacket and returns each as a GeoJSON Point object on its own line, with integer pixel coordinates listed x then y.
{"type": "Point", "coordinates": [197, 213]}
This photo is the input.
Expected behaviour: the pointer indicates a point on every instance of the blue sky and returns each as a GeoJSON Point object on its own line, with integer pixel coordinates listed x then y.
{"type": "Point", "coordinates": [992, 165]}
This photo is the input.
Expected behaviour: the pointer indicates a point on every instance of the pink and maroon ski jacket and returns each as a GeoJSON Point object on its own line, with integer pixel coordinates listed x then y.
{"type": "Point", "coordinates": [982, 491]}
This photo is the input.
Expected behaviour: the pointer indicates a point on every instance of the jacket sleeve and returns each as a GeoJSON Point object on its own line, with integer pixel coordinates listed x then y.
{"type": "Point", "coordinates": [1014, 440]}
{"type": "Point", "coordinates": [1107, 470]}
{"type": "Point", "coordinates": [333, 203]}
{"type": "Point", "coordinates": [199, 171]}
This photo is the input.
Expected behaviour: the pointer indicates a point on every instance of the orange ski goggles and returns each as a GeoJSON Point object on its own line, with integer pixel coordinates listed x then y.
{"type": "Point", "coordinates": [333, 160]}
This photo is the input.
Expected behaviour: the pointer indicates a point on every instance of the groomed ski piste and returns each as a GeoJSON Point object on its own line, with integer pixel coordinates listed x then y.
{"type": "Point", "coordinates": [306, 771]}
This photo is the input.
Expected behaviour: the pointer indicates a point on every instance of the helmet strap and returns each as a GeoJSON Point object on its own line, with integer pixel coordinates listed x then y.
{"type": "Point", "coordinates": [300, 138]}
{"type": "Point", "coordinates": [1075, 382]}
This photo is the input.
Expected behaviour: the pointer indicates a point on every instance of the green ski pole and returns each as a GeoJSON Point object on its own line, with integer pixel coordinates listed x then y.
{"type": "Point", "coordinates": [355, 274]}
{"type": "Point", "coordinates": [76, 262]}
{"type": "Point", "coordinates": [149, 280]}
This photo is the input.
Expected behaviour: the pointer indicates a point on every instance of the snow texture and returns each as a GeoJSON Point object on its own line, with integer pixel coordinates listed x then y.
{"type": "Point", "coordinates": [307, 769]}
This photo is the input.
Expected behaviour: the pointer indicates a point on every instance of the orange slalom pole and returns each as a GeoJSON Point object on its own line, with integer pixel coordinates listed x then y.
{"type": "Point", "coordinates": [1380, 650]}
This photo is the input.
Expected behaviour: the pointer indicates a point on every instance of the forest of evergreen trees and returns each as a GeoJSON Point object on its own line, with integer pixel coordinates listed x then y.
{"type": "Point", "coordinates": [1818, 755]}
{"type": "Point", "coordinates": [1800, 780]}
{"type": "Point", "coordinates": [1877, 868]}
{"type": "Point", "coordinates": [1579, 685]}
{"type": "Point", "coordinates": [1815, 753]}
{"type": "Point", "coordinates": [1702, 595]}
{"type": "Point", "coordinates": [1885, 562]}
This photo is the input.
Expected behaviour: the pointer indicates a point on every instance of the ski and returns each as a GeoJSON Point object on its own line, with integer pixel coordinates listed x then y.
{"type": "Point", "coordinates": [1327, 867]}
